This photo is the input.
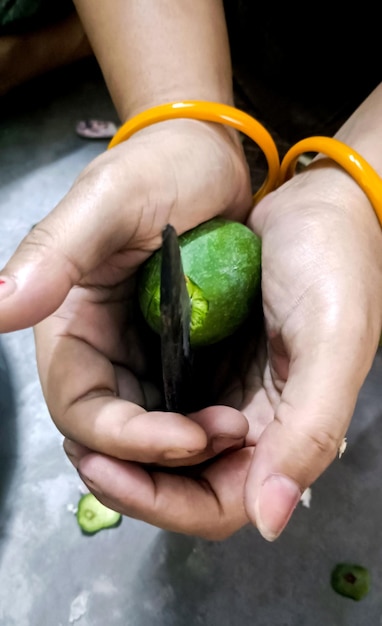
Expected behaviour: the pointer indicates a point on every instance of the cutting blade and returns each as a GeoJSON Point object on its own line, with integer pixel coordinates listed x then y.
{"type": "Point", "coordinates": [175, 307]}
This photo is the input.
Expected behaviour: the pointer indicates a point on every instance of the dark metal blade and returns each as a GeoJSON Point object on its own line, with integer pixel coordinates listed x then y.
{"type": "Point", "coordinates": [175, 309]}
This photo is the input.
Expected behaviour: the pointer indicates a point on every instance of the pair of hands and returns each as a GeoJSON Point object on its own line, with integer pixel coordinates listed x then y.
{"type": "Point", "coordinates": [285, 402]}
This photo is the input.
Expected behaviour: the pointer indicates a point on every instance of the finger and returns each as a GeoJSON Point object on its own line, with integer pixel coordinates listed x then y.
{"type": "Point", "coordinates": [210, 507]}
{"type": "Point", "coordinates": [65, 246]}
{"type": "Point", "coordinates": [124, 430]}
{"type": "Point", "coordinates": [109, 210]}
{"type": "Point", "coordinates": [81, 388]}
{"type": "Point", "coordinates": [157, 437]}
{"type": "Point", "coordinates": [100, 406]}
{"type": "Point", "coordinates": [225, 428]}
{"type": "Point", "coordinates": [310, 423]}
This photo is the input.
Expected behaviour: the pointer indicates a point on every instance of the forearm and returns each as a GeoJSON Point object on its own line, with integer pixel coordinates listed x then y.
{"type": "Point", "coordinates": [363, 133]}
{"type": "Point", "coordinates": [152, 52]}
{"type": "Point", "coordinates": [363, 130]}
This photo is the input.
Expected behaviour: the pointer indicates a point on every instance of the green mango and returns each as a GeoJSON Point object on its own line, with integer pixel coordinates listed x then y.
{"type": "Point", "coordinates": [222, 265]}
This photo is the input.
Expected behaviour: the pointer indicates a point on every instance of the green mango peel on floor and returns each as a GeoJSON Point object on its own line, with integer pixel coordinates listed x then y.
{"type": "Point", "coordinates": [93, 516]}
{"type": "Point", "coordinates": [351, 580]}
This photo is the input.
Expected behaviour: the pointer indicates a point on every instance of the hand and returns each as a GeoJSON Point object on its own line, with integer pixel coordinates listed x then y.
{"type": "Point", "coordinates": [322, 281]}
{"type": "Point", "coordinates": [75, 274]}
{"type": "Point", "coordinates": [287, 406]}
{"type": "Point", "coordinates": [322, 305]}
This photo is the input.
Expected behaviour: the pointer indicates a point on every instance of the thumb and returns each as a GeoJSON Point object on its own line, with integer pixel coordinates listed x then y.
{"type": "Point", "coordinates": [59, 251]}
{"type": "Point", "coordinates": [310, 423]}
{"type": "Point", "coordinates": [35, 281]}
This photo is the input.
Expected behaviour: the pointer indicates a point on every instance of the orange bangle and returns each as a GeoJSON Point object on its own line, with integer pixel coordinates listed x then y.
{"type": "Point", "coordinates": [210, 112]}
{"type": "Point", "coordinates": [354, 164]}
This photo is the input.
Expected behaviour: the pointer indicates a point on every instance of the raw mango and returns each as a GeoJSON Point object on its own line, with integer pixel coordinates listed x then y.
{"type": "Point", "coordinates": [222, 265]}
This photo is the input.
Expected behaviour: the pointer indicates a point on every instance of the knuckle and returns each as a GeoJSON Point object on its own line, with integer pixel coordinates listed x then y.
{"type": "Point", "coordinates": [46, 241]}
{"type": "Point", "coordinates": [324, 442]}
{"type": "Point", "coordinates": [40, 238]}
{"type": "Point", "coordinates": [317, 437]}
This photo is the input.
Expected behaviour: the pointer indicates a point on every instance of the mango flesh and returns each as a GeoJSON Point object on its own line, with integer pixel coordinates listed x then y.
{"type": "Point", "coordinates": [222, 265]}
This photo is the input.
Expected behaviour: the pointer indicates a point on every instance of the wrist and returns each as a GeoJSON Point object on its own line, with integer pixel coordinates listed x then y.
{"type": "Point", "coordinates": [327, 186]}
{"type": "Point", "coordinates": [332, 184]}
{"type": "Point", "coordinates": [353, 149]}
{"type": "Point", "coordinates": [154, 52]}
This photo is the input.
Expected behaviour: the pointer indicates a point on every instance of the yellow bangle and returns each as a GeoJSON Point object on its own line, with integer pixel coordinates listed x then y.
{"type": "Point", "coordinates": [210, 112]}
{"type": "Point", "coordinates": [354, 164]}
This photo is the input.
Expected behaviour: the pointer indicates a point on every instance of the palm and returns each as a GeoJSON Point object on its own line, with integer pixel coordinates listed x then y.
{"type": "Point", "coordinates": [254, 393]}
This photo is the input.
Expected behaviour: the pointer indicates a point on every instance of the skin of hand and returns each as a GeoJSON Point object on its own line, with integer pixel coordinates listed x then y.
{"type": "Point", "coordinates": [297, 389]}
{"type": "Point", "coordinates": [76, 272]}
{"type": "Point", "coordinates": [286, 407]}
{"type": "Point", "coordinates": [282, 416]}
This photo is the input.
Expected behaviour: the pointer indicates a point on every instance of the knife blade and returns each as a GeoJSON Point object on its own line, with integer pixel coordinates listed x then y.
{"type": "Point", "coordinates": [175, 308]}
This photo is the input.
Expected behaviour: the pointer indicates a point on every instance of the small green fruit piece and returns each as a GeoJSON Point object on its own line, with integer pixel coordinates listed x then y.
{"type": "Point", "coordinates": [93, 516]}
{"type": "Point", "coordinates": [222, 265]}
{"type": "Point", "coordinates": [352, 581]}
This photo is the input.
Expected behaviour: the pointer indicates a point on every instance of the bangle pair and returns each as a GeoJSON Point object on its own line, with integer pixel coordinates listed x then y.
{"type": "Point", "coordinates": [354, 164]}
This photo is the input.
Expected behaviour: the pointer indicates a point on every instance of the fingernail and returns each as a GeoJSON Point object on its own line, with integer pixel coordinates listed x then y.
{"type": "Point", "coordinates": [179, 453]}
{"type": "Point", "coordinates": [7, 287]}
{"type": "Point", "coordinates": [219, 444]}
{"type": "Point", "coordinates": [278, 497]}
{"type": "Point", "coordinates": [74, 451]}
{"type": "Point", "coordinates": [70, 451]}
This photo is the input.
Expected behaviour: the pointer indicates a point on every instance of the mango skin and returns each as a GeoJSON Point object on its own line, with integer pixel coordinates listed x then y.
{"type": "Point", "coordinates": [351, 580]}
{"type": "Point", "coordinates": [222, 264]}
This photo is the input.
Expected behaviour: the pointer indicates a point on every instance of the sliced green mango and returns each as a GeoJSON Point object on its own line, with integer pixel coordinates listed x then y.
{"type": "Point", "coordinates": [222, 266]}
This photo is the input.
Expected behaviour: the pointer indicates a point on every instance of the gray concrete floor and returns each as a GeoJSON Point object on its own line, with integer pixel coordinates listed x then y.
{"type": "Point", "coordinates": [136, 575]}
